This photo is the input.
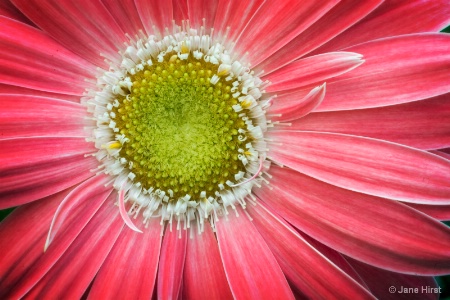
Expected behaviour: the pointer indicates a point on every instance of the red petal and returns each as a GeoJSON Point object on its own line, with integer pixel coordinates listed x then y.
{"type": "Point", "coordinates": [312, 70]}
{"type": "Point", "coordinates": [25, 116]}
{"type": "Point", "coordinates": [130, 268]}
{"type": "Point", "coordinates": [33, 168]}
{"type": "Point", "coordinates": [297, 258]}
{"type": "Point", "coordinates": [156, 12]}
{"type": "Point", "coordinates": [291, 109]}
{"type": "Point", "coordinates": [10, 11]}
{"type": "Point", "coordinates": [204, 276]}
{"type": "Point", "coordinates": [124, 12]}
{"type": "Point", "coordinates": [251, 268]}
{"type": "Point", "coordinates": [6, 89]}
{"type": "Point", "coordinates": [85, 26]}
{"type": "Point", "coordinates": [381, 282]}
{"type": "Point", "coordinates": [392, 73]}
{"type": "Point", "coordinates": [26, 263]}
{"type": "Point", "coordinates": [378, 231]}
{"type": "Point", "coordinates": [283, 20]}
{"type": "Point", "coordinates": [29, 58]}
{"type": "Point", "coordinates": [440, 212]}
{"type": "Point", "coordinates": [202, 9]}
{"type": "Point", "coordinates": [342, 15]}
{"type": "Point", "coordinates": [365, 165]}
{"type": "Point", "coordinates": [171, 264]}
{"type": "Point", "coordinates": [236, 22]}
{"type": "Point", "coordinates": [180, 10]}
{"type": "Point", "coordinates": [394, 18]}
{"type": "Point", "coordinates": [421, 124]}
{"type": "Point", "coordinates": [71, 275]}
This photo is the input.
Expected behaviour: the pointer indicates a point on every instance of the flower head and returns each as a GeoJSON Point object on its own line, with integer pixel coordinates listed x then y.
{"type": "Point", "coordinates": [224, 149]}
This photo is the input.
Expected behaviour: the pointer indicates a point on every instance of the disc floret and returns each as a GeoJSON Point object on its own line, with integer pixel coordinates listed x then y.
{"type": "Point", "coordinates": [179, 126]}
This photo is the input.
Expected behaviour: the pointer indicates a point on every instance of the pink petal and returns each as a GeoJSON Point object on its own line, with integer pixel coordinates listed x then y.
{"type": "Point", "coordinates": [29, 58]}
{"type": "Point", "coordinates": [10, 11]}
{"type": "Point", "coordinates": [85, 26]}
{"type": "Point", "coordinates": [158, 13]}
{"type": "Point", "coordinates": [180, 10]}
{"type": "Point", "coordinates": [22, 239]}
{"type": "Point", "coordinates": [249, 263]}
{"type": "Point", "coordinates": [24, 116]}
{"type": "Point", "coordinates": [284, 20]}
{"type": "Point", "coordinates": [378, 231]}
{"type": "Point", "coordinates": [130, 268]}
{"type": "Point", "coordinates": [441, 154]}
{"type": "Point", "coordinates": [94, 187]}
{"type": "Point", "coordinates": [335, 257]}
{"type": "Point", "coordinates": [6, 89]}
{"type": "Point", "coordinates": [71, 275]}
{"type": "Point", "coordinates": [365, 165]}
{"type": "Point", "coordinates": [202, 9]}
{"type": "Point", "coordinates": [392, 73]}
{"type": "Point", "coordinates": [381, 282]}
{"type": "Point", "coordinates": [25, 263]}
{"type": "Point", "coordinates": [312, 70]}
{"type": "Point", "coordinates": [33, 168]}
{"type": "Point", "coordinates": [125, 14]}
{"type": "Point", "coordinates": [171, 264]}
{"type": "Point", "coordinates": [440, 212]}
{"type": "Point", "coordinates": [342, 15]}
{"type": "Point", "coordinates": [421, 124]}
{"type": "Point", "coordinates": [297, 258]}
{"type": "Point", "coordinates": [291, 109]}
{"type": "Point", "coordinates": [204, 276]}
{"type": "Point", "coordinates": [226, 16]}
{"type": "Point", "coordinates": [394, 18]}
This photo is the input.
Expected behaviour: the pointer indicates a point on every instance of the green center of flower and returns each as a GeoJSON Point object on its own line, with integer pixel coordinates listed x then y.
{"type": "Point", "coordinates": [181, 130]}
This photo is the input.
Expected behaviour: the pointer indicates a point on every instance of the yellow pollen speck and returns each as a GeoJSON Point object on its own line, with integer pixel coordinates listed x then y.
{"type": "Point", "coordinates": [184, 48]}
{"type": "Point", "coordinates": [114, 145]}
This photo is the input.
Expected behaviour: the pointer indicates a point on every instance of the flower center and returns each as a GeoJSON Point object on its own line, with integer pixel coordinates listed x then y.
{"type": "Point", "coordinates": [181, 130]}
{"type": "Point", "coordinates": [179, 127]}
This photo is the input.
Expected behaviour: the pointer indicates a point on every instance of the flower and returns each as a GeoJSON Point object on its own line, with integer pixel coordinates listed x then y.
{"type": "Point", "coordinates": [224, 149]}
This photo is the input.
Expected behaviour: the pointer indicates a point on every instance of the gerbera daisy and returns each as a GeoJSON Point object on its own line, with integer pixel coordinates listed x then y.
{"type": "Point", "coordinates": [224, 149]}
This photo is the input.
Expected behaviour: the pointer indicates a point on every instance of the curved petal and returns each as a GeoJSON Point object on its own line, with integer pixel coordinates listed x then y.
{"type": "Point", "coordinates": [394, 17]}
{"type": "Point", "coordinates": [420, 124]}
{"type": "Point", "coordinates": [171, 264]}
{"type": "Point", "coordinates": [249, 263]}
{"type": "Point", "coordinates": [227, 20]}
{"type": "Point", "coordinates": [378, 231]}
{"type": "Point", "coordinates": [365, 165]}
{"type": "Point", "coordinates": [297, 258]}
{"type": "Point", "coordinates": [406, 287]}
{"type": "Point", "coordinates": [291, 109]}
{"type": "Point", "coordinates": [312, 70]}
{"type": "Point", "coordinates": [439, 212]}
{"type": "Point", "coordinates": [29, 58]}
{"type": "Point", "coordinates": [204, 276]}
{"type": "Point", "coordinates": [71, 275]}
{"type": "Point", "coordinates": [283, 20]}
{"type": "Point", "coordinates": [26, 263]}
{"type": "Point", "coordinates": [92, 29]}
{"type": "Point", "coordinates": [25, 116]}
{"type": "Point", "coordinates": [6, 89]}
{"type": "Point", "coordinates": [32, 168]}
{"type": "Point", "coordinates": [124, 12]}
{"type": "Point", "coordinates": [342, 16]}
{"type": "Point", "coordinates": [158, 13]}
{"type": "Point", "coordinates": [130, 268]}
{"type": "Point", "coordinates": [392, 73]}
{"type": "Point", "coordinates": [202, 9]}
{"type": "Point", "coordinates": [10, 11]}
